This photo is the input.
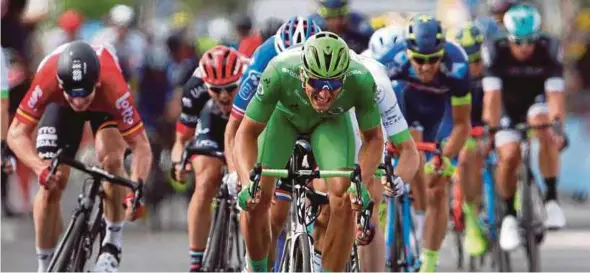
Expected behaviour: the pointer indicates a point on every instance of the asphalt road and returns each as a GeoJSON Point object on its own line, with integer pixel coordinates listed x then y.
{"type": "Point", "coordinates": [565, 251]}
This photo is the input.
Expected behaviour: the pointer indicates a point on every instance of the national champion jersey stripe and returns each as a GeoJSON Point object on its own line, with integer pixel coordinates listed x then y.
{"type": "Point", "coordinates": [28, 117]}
{"type": "Point", "coordinates": [132, 130]}
{"type": "Point", "coordinates": [107, 124]}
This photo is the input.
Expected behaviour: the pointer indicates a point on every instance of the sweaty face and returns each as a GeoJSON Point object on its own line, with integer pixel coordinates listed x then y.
{"type": "Point", "coordinates": [336, 24]}
{"type": "Point", "coordinates": [321, 93]}
{"type": "Point", "coordinates": [522, 51]}
{"type": "Point", "coordinates": [426, 71]}
{"type": "Point", "coordinates": [223, 96]}
{"type": "Point", "coordinates": [80, 104]}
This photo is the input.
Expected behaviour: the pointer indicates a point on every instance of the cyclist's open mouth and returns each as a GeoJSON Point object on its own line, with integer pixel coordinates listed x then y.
{"type": "Point", "coordinates": [322, 99]}
{"type": "Point", "coordinates": [225, 102]}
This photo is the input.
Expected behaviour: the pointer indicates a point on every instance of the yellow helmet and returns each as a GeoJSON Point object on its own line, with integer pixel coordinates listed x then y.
{"type": "Point", "coordinates": [180, 19]}
{"type": "Point", "coordinates": [583, 20]}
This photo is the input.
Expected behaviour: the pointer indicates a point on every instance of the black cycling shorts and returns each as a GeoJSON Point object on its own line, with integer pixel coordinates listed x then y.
{"type": "Point", "coordinates": [62, 127]}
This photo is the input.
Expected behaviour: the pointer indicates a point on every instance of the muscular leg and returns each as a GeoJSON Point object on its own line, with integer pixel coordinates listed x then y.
{"type": "Point", "coordinates": [279, 212]}
{"type": "Point", "coordinates": [418, 186]}
{"type": "Point", "coordinates": [340, 229]}
{"type": "Point", "coordinates": [207, 178]}
{"type": "Point", "coordinates": [508, 150]}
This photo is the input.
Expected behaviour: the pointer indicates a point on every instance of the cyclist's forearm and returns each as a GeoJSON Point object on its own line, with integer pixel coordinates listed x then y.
{"type": "Point", "coordinates": [492, 108]}
{"type": "Point", "coordinates": [141, 162]}
{"type": "Point", "coordinates": [556, 103]}
{"type": "Point", "coordinates": [4, 116]}
{"type": "Point", "coordinates": [230, 133]}
{"type": "Point", "coordinates": [178, 147]}
{"type": "Point", "coordinates": [372, 146]}
{"type": "Point", "coordinates": [20, 142]}
{"type": "Point", "coordinates": [409, 160]}
{"type": "Point", "coordinates": [246, 146]}
{"type": "Point", "coordinates": [457, 139]}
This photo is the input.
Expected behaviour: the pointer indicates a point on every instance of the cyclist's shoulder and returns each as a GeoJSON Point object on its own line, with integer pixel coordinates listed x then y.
{"type": "Point", "coordinates": [395, 55]}
{"type": "Point", "coordinates": [454, 52]}
{"type": "Point", "coordinates": [264, 53]}
{"type": "Point", "coordinates": [195, 87]}
{"type": "Point", "coordinates": [288, 59]}
{"type": "Point", "coordinates": [550, 46]}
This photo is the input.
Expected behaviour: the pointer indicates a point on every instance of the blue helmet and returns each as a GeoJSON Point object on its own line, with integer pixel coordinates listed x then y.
{"type": "Point", "coordinates": [295, 32]}
{"type": "Point", "coordinates": [522, 21]}
{"type": "Point", "coordinates": [330, 8]}
{"type": "Point", "coordinates": [333, 4]}
{"type": "Point", "coordinates": [425, 35]}
{"type": "Point", "coordinates": [470, 37]}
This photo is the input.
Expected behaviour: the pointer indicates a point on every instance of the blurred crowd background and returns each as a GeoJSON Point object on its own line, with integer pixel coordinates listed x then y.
{"type": "Point", "coordinates": [160, 41]}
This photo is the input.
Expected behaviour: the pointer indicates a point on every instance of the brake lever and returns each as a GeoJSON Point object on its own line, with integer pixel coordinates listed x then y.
{"type": "Point", "coordinates": [255, 175]}
{"type": "Point", "coordinates": [355, 177]}
{"type": "Point", "coordinates": [55, 162]}
{"type": "Point", "coordinates": [364, 218]}
{"type": "Point", "coordinates": [137, 198]}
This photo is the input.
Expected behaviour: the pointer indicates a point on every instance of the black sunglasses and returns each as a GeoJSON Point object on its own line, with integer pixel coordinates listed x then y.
{"type": "Point", "coordinates": [218, 89]}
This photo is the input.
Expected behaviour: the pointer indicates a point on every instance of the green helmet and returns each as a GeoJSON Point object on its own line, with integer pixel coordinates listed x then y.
{"type": "Point", "coordinates": [325, 55]}
{"type": "Point", "coordinates": [522, 21]}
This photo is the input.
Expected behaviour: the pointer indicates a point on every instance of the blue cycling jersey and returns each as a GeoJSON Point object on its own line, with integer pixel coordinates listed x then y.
{"type": "Point", "coordinates": [452, 78]}
{"type": "Point", "coordinates": [358, 33]}
{"type": "Point", "coordinates": [251, 77]}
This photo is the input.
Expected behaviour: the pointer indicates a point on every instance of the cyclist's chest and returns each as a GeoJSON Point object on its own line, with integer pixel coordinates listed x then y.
{"type": "Point", "coordinates": [536, 66]}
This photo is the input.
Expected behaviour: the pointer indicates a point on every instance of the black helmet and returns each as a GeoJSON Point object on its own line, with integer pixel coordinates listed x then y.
{"type": "Point", "coordinates": [78, 69]}
{"type": "Point", "coordinates": [243, 22]}
{"type": "Point", "coordinates": [270, 26]}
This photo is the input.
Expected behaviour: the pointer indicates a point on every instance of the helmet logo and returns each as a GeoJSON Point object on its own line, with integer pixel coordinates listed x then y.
{"type": "Point", "coordinates": [425, 18]}
{"type": "Point", "coordinates": [77, 70]}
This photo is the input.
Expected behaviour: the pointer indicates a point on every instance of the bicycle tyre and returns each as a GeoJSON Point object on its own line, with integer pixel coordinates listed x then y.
{"type": "Point", "coordinates": [397, 247]}
{"type": "Point", "coordinates": [353, 264]}
{"type": "Point", "coordinates": [72, 241]}
{"type": "Point", "coordinates": [301, 254]}
{"type": "Point", "coordinates": [96, 231]}
{"type": "Point", "coordinates": [531, 246]}
{"type": "Point", "coordinates": [215, 244]}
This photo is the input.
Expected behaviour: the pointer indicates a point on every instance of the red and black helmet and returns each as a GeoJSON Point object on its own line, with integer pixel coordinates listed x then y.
{"type": "Point", "coordinates": [222, 65]}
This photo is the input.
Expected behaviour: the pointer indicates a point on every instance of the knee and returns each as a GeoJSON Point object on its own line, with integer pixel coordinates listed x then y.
{"type": "Point", "coordinates": [340, 206]}
{"type": "Point", "coordinates": [51, 196]}
{"type": "Point", "coordinates": [436, 193]}
{"type": "Point", "coordinates": [205, 187]}
{"type": "Point", "coordinates": [509, 158]}
{"type": "Point", "coordinates": [111, 161]}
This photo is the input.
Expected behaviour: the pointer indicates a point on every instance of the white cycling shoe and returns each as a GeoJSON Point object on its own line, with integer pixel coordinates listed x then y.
{"type": "Point", "coordinates": [107, 261]}
{"type": "Point", "coordinates": [555, 217]}
{"type": "Point", "coordinates": [509, 236]}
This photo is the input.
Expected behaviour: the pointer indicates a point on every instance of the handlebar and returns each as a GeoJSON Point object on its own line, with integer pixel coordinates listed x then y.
{"type": "Point", "coordinates": [98, 173]}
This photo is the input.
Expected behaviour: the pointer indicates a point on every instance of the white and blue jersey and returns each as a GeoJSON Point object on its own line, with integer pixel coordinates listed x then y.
{"type": "Point", "coordinates": [425, 103]}
{"type": "Point", "coordinates": [251, 76]}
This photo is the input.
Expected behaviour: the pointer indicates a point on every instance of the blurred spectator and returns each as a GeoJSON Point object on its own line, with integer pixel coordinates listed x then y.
{"type": "Point", "coordinates": [221, 30]}
{"type": "Point", "coordinates": [269, 27]}
{"type": "Point", "coordinates": [335, 16]}
{"type": "Point", "coordinates": [181, 45]}
{"type": "Point", "coordinates": [69, 24]}
{"type": "Point", "coordinates": [248, 40]}
{"type": "Point", "coordinates": [128, 41]}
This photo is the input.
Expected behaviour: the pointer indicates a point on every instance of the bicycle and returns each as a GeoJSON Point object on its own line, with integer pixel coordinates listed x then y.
{"type": "Point", "coordinates": [225, 249]}
{"type": "Point", "coordinates": [296, 255]}
{"type": "Point", "coordinates": [530, 220]}
{"type": "Point", "coordinates": [492, 207]}
{"type": "Point", "coordinates": [400, 253]}
{"type": "Point", "coordinates": [86, 226]}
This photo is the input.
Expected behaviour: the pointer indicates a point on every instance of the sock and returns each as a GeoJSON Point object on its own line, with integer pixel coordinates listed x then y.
{"type": "Point", "coordinates": [44, 256]}
{"type": "Point", "coordinates": [470, 217]}
{"type": "Point", "coordinates": [260, 265]}
{"type": "Point", "coordinates": [317, 260]}
{"type": "Point", "coordinates": [420, 218]}
{"type": "Point", "coordinates": [196, 256]}
{"type": "Point", "coordinates": [114, 234]}
{"type": "Point", "coordinates": [551, 194]}
{"type": "Point", "coordinates": [510, 206]}
{"type": "Point", "coordinates": [429, 260]}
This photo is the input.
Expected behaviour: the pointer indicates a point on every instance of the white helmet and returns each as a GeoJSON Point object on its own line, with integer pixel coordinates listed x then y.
{"type": "Point", "coordinates": [383, 40]}
{"type": "Point", "coordinates": [122, 15]}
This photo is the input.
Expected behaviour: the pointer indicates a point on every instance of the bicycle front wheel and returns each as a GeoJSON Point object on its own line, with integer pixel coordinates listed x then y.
{"type": "Point", "coordinates": [301, 255]}
{"type": "Point", "coordinates": [64, 259]}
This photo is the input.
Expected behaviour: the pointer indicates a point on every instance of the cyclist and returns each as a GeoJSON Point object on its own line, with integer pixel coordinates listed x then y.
{"type": "Point", "coordinates": [383, 40]}
{"type": "Point", "coordinates": [331, 87]}
{"type": "Point", "coordinates": [353, 27]}
{"type": "Point", "coordinates": [434, 71]}
{"type": "Point", "coordinates": [471, 38]}
{"type": "Point", "coordinates": [74, 84]}
{"type": "Point", "coordinates": [523, 69]}
{"type": "Point", "coordinates": [206, 105]}
{"type": "Point", "coordinates": [293, 33]}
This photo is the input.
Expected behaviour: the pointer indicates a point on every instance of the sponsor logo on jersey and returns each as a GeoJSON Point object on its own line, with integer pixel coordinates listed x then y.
{"type": "Point", "coordinates": [35, 96]}
{"type": "Point", "coordinates": [123, 105]}
{"type": "Point", "coordinates": [379, 94]}
{"type": "Point", "coordinates": [198, 90]}
{"type": "Point", "coordinates": [188, 118]}
{"type": "Point", "coordinates": [458, 70]}
{"type": "Point", "coordinates": [200, 130]}
{"type": "Point", "coordinates": [186, 102]}
{"type": "Point", "coordinates": [207, 143]}
{"type": "Point", "coordinates": [251, 83]}
{"type": "Point", "coordinates": [291, 73]}
{"type": "Point", "coordinates": [260, 90]}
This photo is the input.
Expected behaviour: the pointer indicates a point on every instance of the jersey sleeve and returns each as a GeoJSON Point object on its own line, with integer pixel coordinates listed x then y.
{"type": "Point", "coordinates": [392, 118]}
{"type": "Point", "coordinates": [555, 81]}
{"type": "Point", "coordinates": [366, 109]}
{"type": "Point", "coordinates": [194, 98]}
{"type": "Point", "coordinates": [251, 78]}
{"type": "Point", "coordinates": [3, 76]}
{"type": "Point", "coordinates": [123, 109]}
{"type": "Point", "coordinates": [267, 95]}
{"type": "Point", "coordinates": [491, 80]}
{"type": "Point", "coordinates": [43, 87]}
{"type": "Point", "coordinates": [459, 75]}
